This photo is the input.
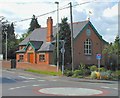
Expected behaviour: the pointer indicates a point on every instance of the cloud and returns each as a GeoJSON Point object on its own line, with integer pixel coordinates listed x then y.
{"type": "Point", "coordinates": [111, 12]}
{"type": "Point", "coordinates": [101, 18]}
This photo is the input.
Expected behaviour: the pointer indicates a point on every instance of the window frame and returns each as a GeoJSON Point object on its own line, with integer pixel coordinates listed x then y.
{"type": "Point", "coordinates": [21, 57]}
{"type": "Point", "coordinates": [43, 58]}
{"type": "Point", "coordinates": [88, 47]}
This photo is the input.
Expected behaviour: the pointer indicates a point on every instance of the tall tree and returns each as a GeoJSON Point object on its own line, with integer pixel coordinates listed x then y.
{"type": "Point", "coordinates": [33, 24]}
{"type": "Point", "coordinates": [64, 34]}
{"type": "Point", "coordinates": [11, 40]}
{"type": "Point", "coordinates": [113, 53]}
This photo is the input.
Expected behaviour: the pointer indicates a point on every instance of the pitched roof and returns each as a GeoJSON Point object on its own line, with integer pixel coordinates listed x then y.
{"type": "Point", "coordinates": [38, 34]}
{"type": "Point", "coordinates": [36, 44]}
{"type": "Point", "coordinates": [46, 47]}
{"type": "Point", "coordinates": [20, 51]}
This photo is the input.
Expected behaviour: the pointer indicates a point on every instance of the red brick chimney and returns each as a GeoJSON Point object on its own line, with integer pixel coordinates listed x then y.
{"type": "Point", "coordinates": [49, 29]}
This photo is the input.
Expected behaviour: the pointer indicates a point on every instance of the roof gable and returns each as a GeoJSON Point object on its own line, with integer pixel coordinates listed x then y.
{"type": "Point", "coordinates": [85, 26]}
{"type": "Point", "coordinates": [34, 44]}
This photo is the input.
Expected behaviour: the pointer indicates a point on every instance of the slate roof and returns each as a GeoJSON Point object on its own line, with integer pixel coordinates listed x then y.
{"type": "Point", "coordinates": [20, 51]}
{"type": "Point", "coordinates": [36, 44]}
{"type": "Point", "coordinates": [46, 47]}
{"type": "Point", "coordinates": [39, 34]}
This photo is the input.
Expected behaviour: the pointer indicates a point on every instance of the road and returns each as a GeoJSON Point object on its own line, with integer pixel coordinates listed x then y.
{"type": "Point", "coordinates": [16, 83]}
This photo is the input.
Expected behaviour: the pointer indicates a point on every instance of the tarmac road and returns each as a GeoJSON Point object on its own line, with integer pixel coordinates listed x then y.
{"type": "Point", "coordinates": [20, 83]}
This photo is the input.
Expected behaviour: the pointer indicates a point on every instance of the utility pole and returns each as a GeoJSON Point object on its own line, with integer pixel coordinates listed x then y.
{"type": "Point", "coordinates": [6, 46]}
{"type": "Point", "coordinates": [72, 44]}
{"type": "Point", "coordinates": [57, 35]}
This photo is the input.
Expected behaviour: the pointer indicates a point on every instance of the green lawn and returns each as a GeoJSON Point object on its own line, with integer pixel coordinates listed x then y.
{"type": "Point", "coordinates": [45, 72]}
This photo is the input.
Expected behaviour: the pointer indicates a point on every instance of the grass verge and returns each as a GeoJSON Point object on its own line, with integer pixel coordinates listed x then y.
{"type": "Point", "coordinates": [45, 72]}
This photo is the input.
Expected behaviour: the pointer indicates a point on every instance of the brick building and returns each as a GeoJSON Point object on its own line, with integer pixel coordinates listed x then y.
{"type": "Point", "coordinates": [37, 47]}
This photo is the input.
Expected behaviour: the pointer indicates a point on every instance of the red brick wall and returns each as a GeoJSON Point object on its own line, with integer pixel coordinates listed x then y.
{"type": "Point", "coordinates": [97, 46]}
{"type": "Point", "coordinates": [48, 58]}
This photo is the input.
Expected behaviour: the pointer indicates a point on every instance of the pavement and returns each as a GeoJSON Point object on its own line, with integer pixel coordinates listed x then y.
{"type": "Point", "coordinates": [64, 77]}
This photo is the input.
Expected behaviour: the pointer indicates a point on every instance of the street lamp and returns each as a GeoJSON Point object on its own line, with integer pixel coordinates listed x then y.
{"type": "Point", "coordinates": [57, 36]}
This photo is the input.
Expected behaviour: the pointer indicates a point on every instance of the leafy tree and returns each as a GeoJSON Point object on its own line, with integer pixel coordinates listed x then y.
{"type": "Point", "coordinates": [12, 42]}
{"type": "Point", "coordinates": [112, 52]}
{"type": "Point", "coordinates": [33, 24]}
{"type": "Point", "coordinates": [64, 34]}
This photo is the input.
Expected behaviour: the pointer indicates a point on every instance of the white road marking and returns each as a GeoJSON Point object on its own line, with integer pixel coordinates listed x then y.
{"type": "Point", "coordinates": [26, 77]}
{"type": "Point", "coordinates": [11, 79]}
{"type": "Point", "coordinates": [41, 80]}
{"type": "Point", "coordinates": [26, 81]}
{"type": "Point", "coordinates": [53, 80]}
{"type": "Point", "coordinates": [115, 88]}
{"type": "Point", "coordinates": [35, 85]}
{"type": "Point", "coordinates": [104, 87]}
{"type": "Point", "coordinates": [8, 71]}
{"type": "Point", "coordinates": [31, 78]}
{"type": "Point", "coordinates": [16, 87]}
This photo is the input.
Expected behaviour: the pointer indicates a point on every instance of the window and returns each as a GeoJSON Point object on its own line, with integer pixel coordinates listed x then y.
{"type": "Point", "coordinates": [88, 47]}
{"type": "Point", "coordinates": [21, 57]}
{"type": "Point", "coordinates": [42, 57]}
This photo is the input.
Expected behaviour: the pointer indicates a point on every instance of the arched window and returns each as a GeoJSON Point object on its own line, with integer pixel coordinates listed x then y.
{"type": "Point", "coordinates": [88, 47]}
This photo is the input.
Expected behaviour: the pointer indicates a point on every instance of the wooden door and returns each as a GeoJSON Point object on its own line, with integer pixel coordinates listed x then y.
{"type": "Point", "coordinates": [30, 57]}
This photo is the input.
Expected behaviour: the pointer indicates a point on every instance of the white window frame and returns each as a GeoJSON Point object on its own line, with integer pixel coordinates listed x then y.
{"type": "Point", "coordinates": [88, 47]}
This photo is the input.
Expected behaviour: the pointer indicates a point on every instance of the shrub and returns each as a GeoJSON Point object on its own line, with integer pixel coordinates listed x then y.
{"type": "Point", "coordinates": [68, 73]}
{"type": "Point", "coordinates": [106, 75]}
{"type": "Point", "coordinates": [93, 75]}
{"type": "Point", "coordinates": [78, 73]}
{"type": "Point", "coordinates": [93, 68]}
{"type": "Point", "coordinates": [102, 69]}
{"type": "Point", "coordinates": [116, 75]}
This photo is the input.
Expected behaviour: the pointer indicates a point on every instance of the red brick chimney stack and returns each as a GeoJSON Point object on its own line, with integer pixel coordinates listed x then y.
{"type": "Point", "coordinates": [49, 29]}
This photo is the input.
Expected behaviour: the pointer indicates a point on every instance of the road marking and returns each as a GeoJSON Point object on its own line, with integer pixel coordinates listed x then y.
{"type": "Point", "coordinates": [70, 91]}
{"type": "Point", "coordinates": [26, 77]}
{"type": "Point", "coordinates": [53, 80]}
{"type": "Point", "coordinates": [115, 88]}
{"type": "Point", "coordinates": [41, 80]}
{"type": "Point", "coordinates": [8, 71]}
{"type": "Point", "coordinates": [35, 85]}
{"type": "Point", "coordinates": [11, 79]}
{"type": "Point", "coordinates": [104, 87]}
{"type": "Point", "coordinates": [16, 87]}
{"type": "Point", "coordinates": [26, 81]}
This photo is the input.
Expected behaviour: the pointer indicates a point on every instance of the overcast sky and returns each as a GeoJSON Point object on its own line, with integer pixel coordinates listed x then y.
{"type": "Point", "coordinates": [104, 15]}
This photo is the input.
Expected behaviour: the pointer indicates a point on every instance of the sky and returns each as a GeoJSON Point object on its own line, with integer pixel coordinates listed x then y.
{"type": "Point", "coordinates": [104, 14]}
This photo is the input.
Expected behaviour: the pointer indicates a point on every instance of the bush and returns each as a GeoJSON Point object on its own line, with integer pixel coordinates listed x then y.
{"type": "Point", "coordinates": [93, 68]}
{"type": "Point", "coordinates": [102, 69]}
{"type": "Point", "coordinates": [106, 75]}
{"type": "Point", "coordinates": [68, 73]}
{"type": "Point", "coordinates": [78, 73]}
{"type": "Point", "coordinates": [116, 75]}
{"type": "Point", "coordinates": [94, 75]}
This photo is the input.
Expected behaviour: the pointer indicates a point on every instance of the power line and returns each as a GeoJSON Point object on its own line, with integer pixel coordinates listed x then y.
{"type": "Point", "coordinates": [52, 12]}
